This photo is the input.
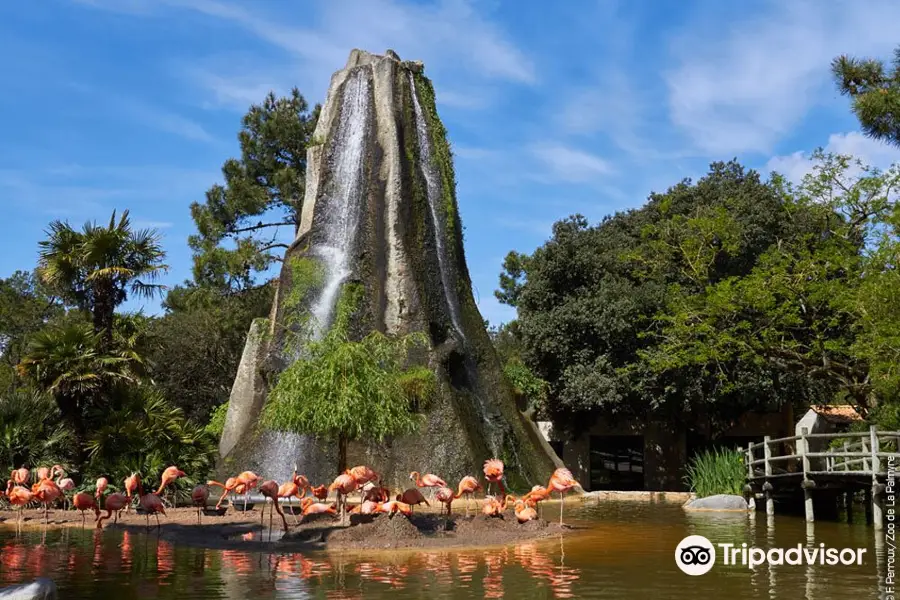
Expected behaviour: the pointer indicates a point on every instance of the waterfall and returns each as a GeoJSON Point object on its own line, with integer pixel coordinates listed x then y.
{"type": "Point", "coordinates": [341, 206]}
{"type": "Point", "coordinates": [433, 191]}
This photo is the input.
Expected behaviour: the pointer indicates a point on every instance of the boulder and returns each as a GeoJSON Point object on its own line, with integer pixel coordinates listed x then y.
{"type": "Point", "coordinates": [717, 502]}
{"type": "Point", "coordinates": [39, 589]}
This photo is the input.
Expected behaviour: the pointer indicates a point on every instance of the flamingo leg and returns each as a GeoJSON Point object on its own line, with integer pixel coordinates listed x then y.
{"type": "Point", "coordinates": [82, 519]}
{"type": "Point", "coordinates": [148, 521]}
{"type": "Point", "coordinates": [562, 505]}
{"type": "Point", "coordinates": [222, 497]}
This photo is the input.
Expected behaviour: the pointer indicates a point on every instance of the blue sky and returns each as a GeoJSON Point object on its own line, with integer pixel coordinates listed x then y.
{"type": "Point", "coordinates": [584, 107]}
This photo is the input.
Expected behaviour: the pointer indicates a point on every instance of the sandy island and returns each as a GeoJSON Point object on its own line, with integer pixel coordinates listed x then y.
{"type": "Point", "coordinates": [242, 531]}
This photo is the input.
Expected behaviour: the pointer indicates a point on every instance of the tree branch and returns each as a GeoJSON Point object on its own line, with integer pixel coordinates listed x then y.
{"type": "Point", "coordinates": [261, 225]}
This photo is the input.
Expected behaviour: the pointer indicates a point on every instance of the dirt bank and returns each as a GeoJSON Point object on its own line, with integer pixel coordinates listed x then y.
{"type": "Point", "coordinates": [239, 530]}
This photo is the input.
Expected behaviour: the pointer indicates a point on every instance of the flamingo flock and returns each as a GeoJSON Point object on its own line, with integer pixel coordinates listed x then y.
{"type": "Point", "coordinates": [374, 498]}
{"type": "Point", "coordinates": [45, 491]}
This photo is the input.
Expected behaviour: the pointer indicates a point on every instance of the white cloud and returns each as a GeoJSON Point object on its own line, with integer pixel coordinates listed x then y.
{"type": "Point", "coordinates": [740, 88]}
{"type": "Point", "coordinates": [871, 152]}
{"type": "Point", "coordinates": [450, 36]}
{"type": "Point", "coordinates": [165, 121]}
{"type": "Point", "coordinates": [75, 191]}
{"type": "Point", "coordinates": [142, 224]}
{"type": "Point", "coordinates": [569, 164]}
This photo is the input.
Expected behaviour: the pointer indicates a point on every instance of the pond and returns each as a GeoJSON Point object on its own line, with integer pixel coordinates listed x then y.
{"type": "Point", "coordinates": [620, 550]}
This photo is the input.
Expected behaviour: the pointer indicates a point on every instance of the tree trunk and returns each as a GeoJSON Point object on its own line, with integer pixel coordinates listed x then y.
{"type": "Point", "coordinates": [342, 453]}
{"type": "Point", "coordinates": [71, 413]}
{"type": "Point", "coordinates": [103, 313]}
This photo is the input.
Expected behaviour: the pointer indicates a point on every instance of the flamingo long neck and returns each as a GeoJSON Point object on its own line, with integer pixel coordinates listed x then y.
{"type": "Point", "coordinates": [418, 478]}
{"type": "Point", "coordinates": [460, 491]}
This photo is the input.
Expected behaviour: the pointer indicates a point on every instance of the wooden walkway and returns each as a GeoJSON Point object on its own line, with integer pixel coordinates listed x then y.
{"type": "Point", "coordinates": [811, 462]}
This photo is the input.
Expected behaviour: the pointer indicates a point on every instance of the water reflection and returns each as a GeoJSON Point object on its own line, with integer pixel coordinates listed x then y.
{"type": "Point", "coordinates": [622, 554]}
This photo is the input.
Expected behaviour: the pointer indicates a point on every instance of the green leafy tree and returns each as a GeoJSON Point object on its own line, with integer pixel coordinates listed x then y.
{"type": "Point", "coordinates": [237, 225]}
{"type": "Point", "coordinates": [194, 348]}
{"type": "Point", "coordinates": [592, 300]}
{"type": "Point", "coordinates": [874, 88]}
{"type": "Point", "coordinates": [25, 307]}
{"type": "Point", "coordinates": [352, 390]}
{"type": "Point", "coordinates": [806, 308]}
{"type": "Point", "coordinates": [97, 267]}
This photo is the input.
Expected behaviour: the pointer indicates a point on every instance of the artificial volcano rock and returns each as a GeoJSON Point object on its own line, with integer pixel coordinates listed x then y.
{"type": "Point", "coordinates": [380, 214]}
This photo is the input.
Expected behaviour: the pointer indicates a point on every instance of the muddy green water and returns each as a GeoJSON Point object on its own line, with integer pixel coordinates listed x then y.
{"type": "Point", "coordinates": [619, 551]}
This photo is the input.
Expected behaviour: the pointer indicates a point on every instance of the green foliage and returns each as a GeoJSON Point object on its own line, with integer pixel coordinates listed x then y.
{"type": "Point", "coordinates": [194, 349]}
{"type": "Point", "coordinates": [348, 390]}
{"type": "Point", "coordinates": [307, 276]}
{"type": "Point", "coordinates": [144, 433]}
{"type": "Point", "coordinates": [719, 471]}
{"type": "Point", "coordinates": [442, 154]}
{"type": "Point", "coordinates": [96, 268]}
{"type": "Point", "coordinates": [806, 307]}
{"type": "Point", "coordinates": [25, 307]}
{"type": "Point", "coordinates": [875, 91]}
{"type": "Point", "coordinates": [526, 384]}
{"type": "Point", "coordinates": [29, 431]}
{"type": "Point", "coordinates": [238, 224]}
{"type": "Point", "coordinates": [592, 302]}
{"type": "Point", "coordinates": [216, 424]}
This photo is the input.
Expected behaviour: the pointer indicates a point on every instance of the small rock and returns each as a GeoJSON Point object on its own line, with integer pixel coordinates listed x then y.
{"type": "Point", "coordinates": [717, 502]}
{"type": "Point", "coordinates": [39, 589]}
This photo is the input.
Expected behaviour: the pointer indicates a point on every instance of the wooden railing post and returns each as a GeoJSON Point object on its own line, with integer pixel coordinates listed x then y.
{"type": "Point", "coordinates": [807, 492]}
{"type": "Point", "coordinates": [864, 449]}
{"type": "Point", "coordinates": [767, 456]}
{"type": "Point", "coordinates": [749, 461]}
{"type": "Point", "coordinates": [877, 497]}
{"type": "Point", "coordinates": [846, 449]}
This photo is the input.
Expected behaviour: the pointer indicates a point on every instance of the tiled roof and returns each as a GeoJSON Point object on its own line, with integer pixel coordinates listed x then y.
{"type": "Point", "coordinates": [840, 413]}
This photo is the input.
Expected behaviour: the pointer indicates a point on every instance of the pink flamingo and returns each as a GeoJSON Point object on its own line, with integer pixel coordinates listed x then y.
{"type": "Point", "coordinates": [168, 477]}
{"type": "Point", "coordinates": [114, 503]}
{"type": "Point", "coordinates": [132, 483]}
{"type": "Point", "coordinates": [199, 498]}
{"type": "Point", "coordinates": [344, 484]}
{"type": "Point", "coordinates": [18, 496]}
{"type": "Point", "coordinates": [493, 472]}
{"type": "Point", "coordinates": [269, 490]}
{"type": "Point", "coordinates": [65, 484]}
{"type": "Point", "coordinates": [83, 501]}
{"type": "Point", "coordinates": [468, 485]}
{"type": "Point", "coordinates": [561, 481]}
{"type": "Point", "coordinates": [151, 504]}
{"type": "Point", "coordinates": [444, 495]}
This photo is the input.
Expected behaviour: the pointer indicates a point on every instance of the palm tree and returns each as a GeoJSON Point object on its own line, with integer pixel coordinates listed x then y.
{"type": "Point", "coordinates": [96, 268]}
{"type": "Point", "coordinates": [29, 430]}
{"type": "Point", "coordinates": [69, 364]}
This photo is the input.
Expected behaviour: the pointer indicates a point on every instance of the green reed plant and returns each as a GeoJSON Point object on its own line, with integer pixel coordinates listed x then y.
{"type": "Point", "coordinates": [718, 471]}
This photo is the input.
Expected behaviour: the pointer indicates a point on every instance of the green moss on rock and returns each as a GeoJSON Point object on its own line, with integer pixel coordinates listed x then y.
{"type": "Point", "coordinates": [441, 153]}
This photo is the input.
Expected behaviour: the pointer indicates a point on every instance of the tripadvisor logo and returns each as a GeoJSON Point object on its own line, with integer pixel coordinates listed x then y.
{"type": "Point", "coordinates": [696, 555]}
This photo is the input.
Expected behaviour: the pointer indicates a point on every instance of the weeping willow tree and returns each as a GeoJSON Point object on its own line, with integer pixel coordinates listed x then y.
{"type": "Point", "coordinates": [347, 390]}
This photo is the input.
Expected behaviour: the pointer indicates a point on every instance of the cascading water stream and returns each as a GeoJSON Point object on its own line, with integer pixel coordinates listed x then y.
{"type": "Point", "coordinates": [433, 191]}
{"type": "Point", "coordinates": [342, 206]}
{"type": "Point", "coordinates": [281, 451]}
{"type": "Point", "coordinates": [434, 195]}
